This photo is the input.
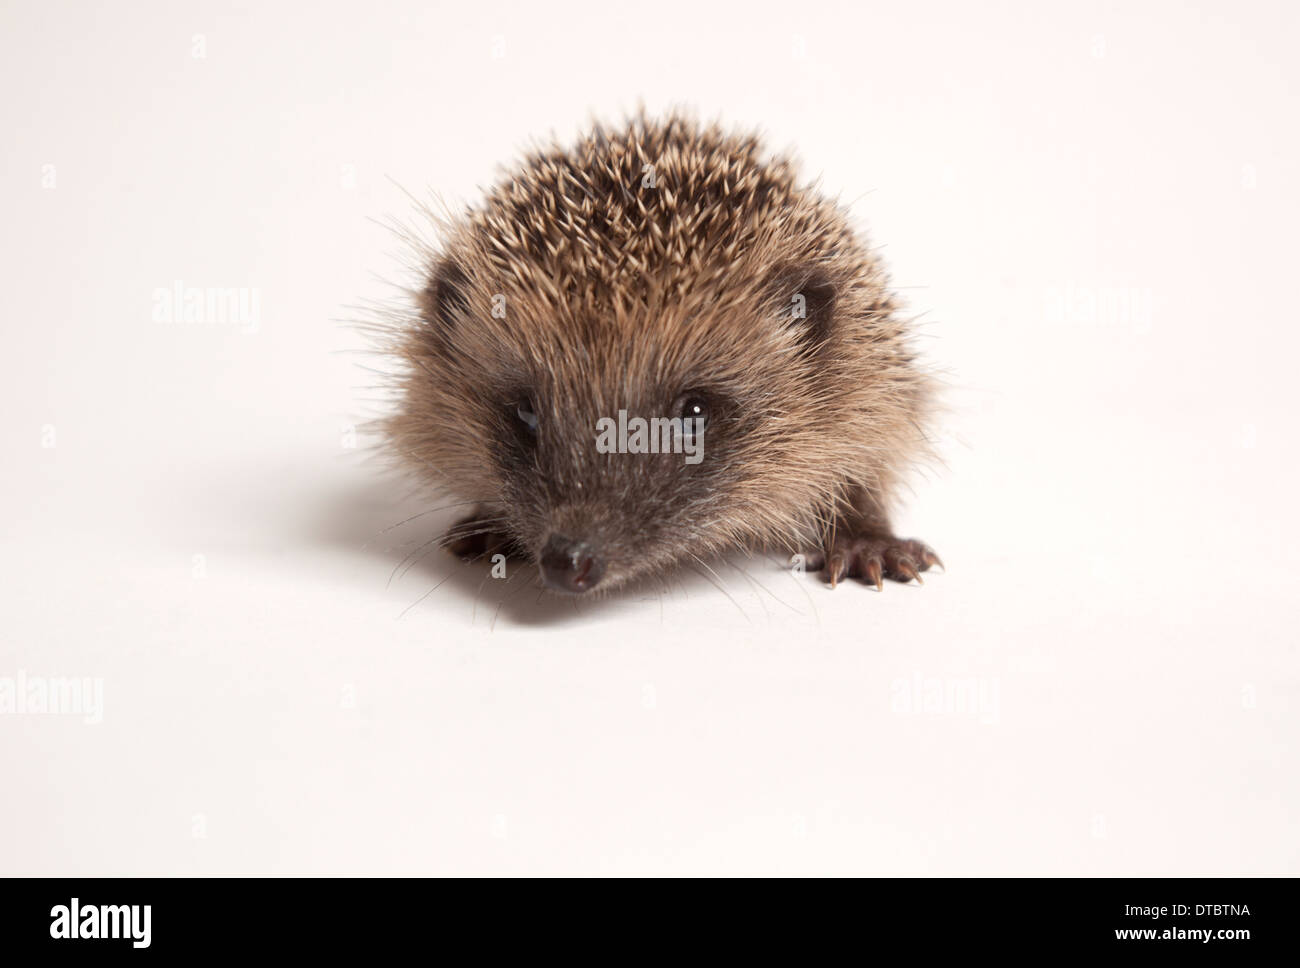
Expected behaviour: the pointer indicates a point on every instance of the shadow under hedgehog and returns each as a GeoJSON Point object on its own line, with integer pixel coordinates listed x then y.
{"type": "Point", "coordinates": [675, 272]}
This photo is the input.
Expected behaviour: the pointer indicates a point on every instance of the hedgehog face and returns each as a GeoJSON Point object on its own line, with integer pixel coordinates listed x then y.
{"type": "Point", "coordinates": [611, 445]}
{"type": "Point", "coordinates": [616, 449]}
{"type": "Point", "coordinates": [606, 482]}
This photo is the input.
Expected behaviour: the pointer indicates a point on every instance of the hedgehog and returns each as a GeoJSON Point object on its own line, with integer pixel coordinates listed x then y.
{"type": "Point", "coordinates": [680, 273]}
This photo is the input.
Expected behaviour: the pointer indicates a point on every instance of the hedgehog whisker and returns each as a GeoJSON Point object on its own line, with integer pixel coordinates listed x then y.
{"type": "Point", "coordinates": [712, 577]}
{"type": "Point", "coordinates": [420, 553]}
{"type": "Point", "coordinates": [761, 604]}
{"type": "Point", "coordinates": [759, 584]}
{"type": "Point", "coordinates": [803, 587]}
{"type": "Point", "coordinates": [492, 626]}
{"type": "Point", "coordinates": [425, 595]}
{"type": "Point", "coordinates": [420, 514]}
{"type": "Point", "coordinates": [410, 555]}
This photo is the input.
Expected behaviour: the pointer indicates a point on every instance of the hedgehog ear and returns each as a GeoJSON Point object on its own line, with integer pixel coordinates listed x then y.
{"type": "Point", "coordinates": [805, 300]}
{"type": "Point", "coordinates": [445, 297]}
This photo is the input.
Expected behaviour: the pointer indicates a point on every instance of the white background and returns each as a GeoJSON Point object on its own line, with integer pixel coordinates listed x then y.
{"type": "Point", "coordinates": [1093, 207]}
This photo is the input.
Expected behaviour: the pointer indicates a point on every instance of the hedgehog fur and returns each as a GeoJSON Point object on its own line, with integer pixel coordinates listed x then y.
{"type": "Point", "coordinates": [653, 262]}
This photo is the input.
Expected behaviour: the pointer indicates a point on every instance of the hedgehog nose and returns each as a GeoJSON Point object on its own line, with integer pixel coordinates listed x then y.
{"type": "Point", "coordinates": [569, 565]}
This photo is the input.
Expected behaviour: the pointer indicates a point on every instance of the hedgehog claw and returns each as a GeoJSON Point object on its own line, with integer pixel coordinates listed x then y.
{"type": "Point", "coordinates": [873, 559]}
{"type": "Point", "coordinates": [837, 566]}
{"type": "Point", "coordinates": [904, 566]}
{"type": "Point", "coordinates": [873, 574]}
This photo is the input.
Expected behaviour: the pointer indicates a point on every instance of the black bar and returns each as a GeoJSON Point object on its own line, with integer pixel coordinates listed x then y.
{"type": "Point", "coordinates": [370, 917]}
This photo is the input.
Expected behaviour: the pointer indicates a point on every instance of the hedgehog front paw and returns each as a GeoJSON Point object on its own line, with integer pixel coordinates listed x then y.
{"type": "Point", "coordinates": [480, 536]}
{"type": "Point", "coordinates": [873, 559]}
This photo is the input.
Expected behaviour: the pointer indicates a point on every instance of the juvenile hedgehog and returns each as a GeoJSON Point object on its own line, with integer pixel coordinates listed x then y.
{"type": "Point", "coordinates": [662, 270]}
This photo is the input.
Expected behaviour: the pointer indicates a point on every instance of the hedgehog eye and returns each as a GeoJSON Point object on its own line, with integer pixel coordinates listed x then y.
{"type": "Point", "coordinates": [527, 414]}
{"type": "Point", "coordinates": [694, 413]}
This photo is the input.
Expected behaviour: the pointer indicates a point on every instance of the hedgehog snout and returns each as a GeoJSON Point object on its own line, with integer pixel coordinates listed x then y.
{"type": "Point", "coordinates": [570, 565]}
